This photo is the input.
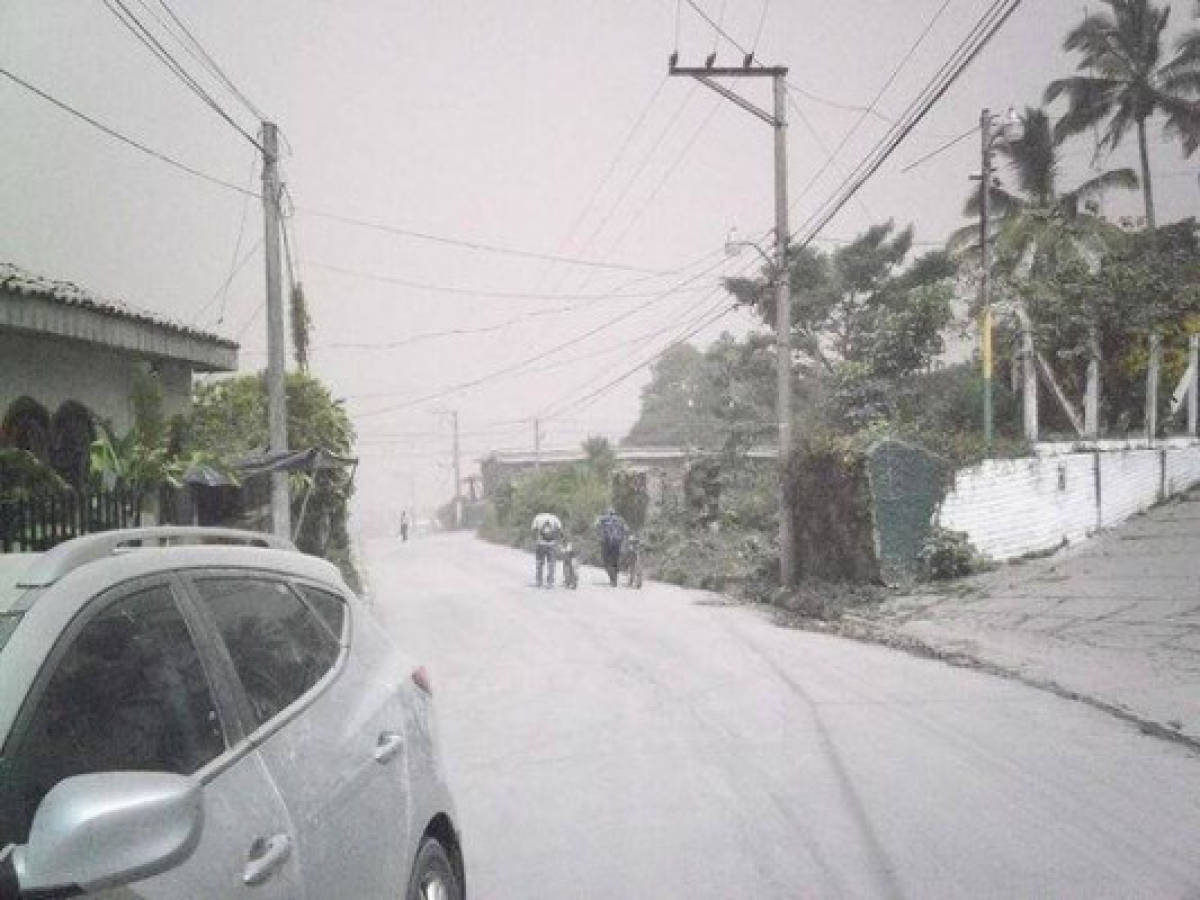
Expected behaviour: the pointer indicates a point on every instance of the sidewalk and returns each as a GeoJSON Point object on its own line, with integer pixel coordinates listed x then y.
{"type": "Point", "coordinates": [1114, 621]}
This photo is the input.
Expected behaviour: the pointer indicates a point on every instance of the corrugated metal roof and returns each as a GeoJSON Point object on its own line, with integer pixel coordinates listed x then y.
{"type": "Point", "coordinates": [16, 280]}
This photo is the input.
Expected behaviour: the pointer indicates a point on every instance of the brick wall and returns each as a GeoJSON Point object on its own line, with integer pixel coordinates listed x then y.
{"type": "Point", "coordinates": [1009, 507]}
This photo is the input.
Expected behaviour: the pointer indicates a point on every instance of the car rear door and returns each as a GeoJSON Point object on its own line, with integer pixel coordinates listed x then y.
{"type": "Point", "coordinates": [329, 728]}
{"type": "Point", "coordinates": [130, 685]}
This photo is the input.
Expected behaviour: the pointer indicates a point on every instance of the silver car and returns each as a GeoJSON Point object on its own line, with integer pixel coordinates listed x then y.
{"type": "Point", "coordinates": [205, 713]}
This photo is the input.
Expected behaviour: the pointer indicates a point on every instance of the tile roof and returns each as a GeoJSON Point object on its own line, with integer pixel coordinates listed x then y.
{"type": "Point", "coordinates": [16, 280]}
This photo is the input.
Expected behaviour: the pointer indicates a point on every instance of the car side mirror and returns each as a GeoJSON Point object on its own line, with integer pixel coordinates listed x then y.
{"type": "Point", "coordinates": [93, 832]}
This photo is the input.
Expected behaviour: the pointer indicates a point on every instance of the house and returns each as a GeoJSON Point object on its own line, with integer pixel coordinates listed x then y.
{"type": "Point", "coordinates": [70, 359]}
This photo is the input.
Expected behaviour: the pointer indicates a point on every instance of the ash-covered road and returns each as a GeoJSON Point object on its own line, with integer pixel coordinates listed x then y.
{"type": "Point", "coordinates": [615, 743]}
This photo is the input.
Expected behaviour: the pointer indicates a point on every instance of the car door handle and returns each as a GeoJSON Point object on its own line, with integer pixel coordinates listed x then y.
{"type": "Point", "coordinates": [390, 743]}
{"type": "Point", "coordinates": [266, 856]}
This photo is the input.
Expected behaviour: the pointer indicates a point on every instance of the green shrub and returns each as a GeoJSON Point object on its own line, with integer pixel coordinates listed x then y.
{"type": "Point", "coordinates": [948, 554]}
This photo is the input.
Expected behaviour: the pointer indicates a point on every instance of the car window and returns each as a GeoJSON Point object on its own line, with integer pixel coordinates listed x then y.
{"type": "Point", "coordinates": [279, 647]}
{"type": "Point", "coordinates": [329, 606]}
{"type": "Point", "coordinates": [129, 693]}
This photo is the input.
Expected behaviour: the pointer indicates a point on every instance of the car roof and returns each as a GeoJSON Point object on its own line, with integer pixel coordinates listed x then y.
{"type": "Point", "coordinates": [12, 567]}
{"type": "Point", "coordinates": [70, 555]}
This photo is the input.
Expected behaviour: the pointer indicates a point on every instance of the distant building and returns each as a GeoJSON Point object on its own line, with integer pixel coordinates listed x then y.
{"type": "Point", "coordinates": [664, 467]}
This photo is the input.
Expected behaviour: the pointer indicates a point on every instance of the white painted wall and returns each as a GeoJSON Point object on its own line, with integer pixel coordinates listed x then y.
{"type": "Point", "coordinates": [1009, 507]}
{"type": "Point", "coordinates": [52, 371]}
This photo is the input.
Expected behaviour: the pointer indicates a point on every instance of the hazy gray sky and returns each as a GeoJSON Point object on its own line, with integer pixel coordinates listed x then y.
{"type": "Point", "coordinates": [488, 122]}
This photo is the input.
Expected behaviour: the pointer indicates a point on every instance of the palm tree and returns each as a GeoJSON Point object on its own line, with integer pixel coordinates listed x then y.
{"type": "Point", "coordinates": [1043, 230]}
{"type": "Point", "coordinates": [1040, 226]}
{"type": "Point", "coordinates": [1125, 79]}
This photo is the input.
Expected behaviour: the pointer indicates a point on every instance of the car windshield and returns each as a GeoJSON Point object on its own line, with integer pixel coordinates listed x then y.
{"type": "Point", "coordinates": [8, 624]}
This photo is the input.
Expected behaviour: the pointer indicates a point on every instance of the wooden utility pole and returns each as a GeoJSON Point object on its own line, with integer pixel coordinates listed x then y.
{"type": "Point", "coordinates": [1152, 386]}
{"type": "Point", "coordinates": [985, 299]}
{"type": "Point", "coordinates": [281, 509]}
{"type": "Point", "coordinates": [458, 503]}
{"type": "Point", "coordinates": [780, 276]}
{"type": "Point", "coordinates": [1193, 384]}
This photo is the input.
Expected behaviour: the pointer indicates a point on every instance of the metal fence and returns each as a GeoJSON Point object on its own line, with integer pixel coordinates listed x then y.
{"type": "Point", "coordinates": [41, 520]}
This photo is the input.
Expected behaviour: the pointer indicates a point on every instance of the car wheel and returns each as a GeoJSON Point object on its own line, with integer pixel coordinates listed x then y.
{"type": "Point", "coordinates": [433, 876]}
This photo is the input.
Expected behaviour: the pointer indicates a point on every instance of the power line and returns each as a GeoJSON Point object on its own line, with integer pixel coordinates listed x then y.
{"type": "Point", "coordinates": [476, 292]}
{"type": "Point", "coordinates": [470, 245]}
{"type": "Point", "coordinates": [666, 176]}
{"type": "Point", "coordinates": [984, 29]}
{"type": "Point", "coordinates": [587, 400]}
{"type": "Point", "coordinates": [223, 291]}
{"type": "Point", "coordinates": [234, 264]}
{"type": "Point", "coordinates": [148, 40]}
{"type": "Point", "coordinates": [612, 166]}
{"type": "Point", "coordinates": [113, 133]}
{"type": "Point", "coordinates": [946, 146]}
{"type": "Point", "coordinates": [645, 161]}
{"type": "Point", "coordinates": [762, 20]}
{"type": "Point", "coordinates": [213, 66]}
{"type": "Point", "coordinates": [824, 148]}
{"type": "Point", "coordinates": [525, 363]}
{"type": "Point", "coordinates": [632, 347]}
{"type": "Point", "coordinates": [816, 98]}
{"type": "Point", "coordinates": [899, 67]}
{"type": "Point", "coordinates": [671, 326]}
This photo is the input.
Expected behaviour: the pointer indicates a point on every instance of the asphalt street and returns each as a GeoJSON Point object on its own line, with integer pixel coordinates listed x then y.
{"type": "Point", "coordinates": [661, 743]}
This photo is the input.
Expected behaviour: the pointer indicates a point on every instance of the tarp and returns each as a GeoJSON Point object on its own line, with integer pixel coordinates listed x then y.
{"type": "Point", "coordinates": [207, 476]}
{"type": "Point", "coordinates": [259, 462]}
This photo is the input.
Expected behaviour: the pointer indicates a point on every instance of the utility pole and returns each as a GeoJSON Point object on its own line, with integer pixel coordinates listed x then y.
{"type": "Point", "coordinates": [783, 318]}
{"type": "Point", "coordinates": [537, 443]}
{"type": "Point", "coordinates": [1194, 368]}
{"type": "Point", "coordinates": [458, 504]}
{"type": "Point", "coordinates": [281, 509]}
{"type": "Point", "coordinates": [985, 299]}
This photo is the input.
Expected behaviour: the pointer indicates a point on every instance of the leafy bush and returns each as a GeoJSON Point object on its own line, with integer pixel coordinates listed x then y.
{"type": "Point", "coordinates": [948, 554]}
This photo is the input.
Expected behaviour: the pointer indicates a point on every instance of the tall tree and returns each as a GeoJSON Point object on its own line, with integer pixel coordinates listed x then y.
{"type": "Point", "coordinates": [859, 303]}
{"type": "Point", "coordinates": [1040, 226]}
{"type": "Point", "coordinates": [1124, 78]}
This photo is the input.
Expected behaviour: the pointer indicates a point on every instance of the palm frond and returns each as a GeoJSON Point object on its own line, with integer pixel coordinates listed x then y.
{"type": "Point", "coordinates": [1125, 179]}
{"type": "Point", "coordinates": [1089, 101]}
{"type": "Point", "coordinates": [1183, 122]}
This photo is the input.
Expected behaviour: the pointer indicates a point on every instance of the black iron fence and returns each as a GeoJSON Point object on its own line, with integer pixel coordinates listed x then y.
{"type": "Point", "coordinates": [39, 521]}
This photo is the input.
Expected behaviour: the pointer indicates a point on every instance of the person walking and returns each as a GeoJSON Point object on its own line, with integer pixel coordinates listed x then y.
{"type": "Point", "coordinates": [547, 531]}
{"type": "Point", "coordinates": [404, 525]}
{"type": "Point", "coordinates": [611, 530]}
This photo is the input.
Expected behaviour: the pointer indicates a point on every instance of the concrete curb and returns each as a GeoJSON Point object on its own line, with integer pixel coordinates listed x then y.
{"type": "Point", "coordinates": [864, 631]}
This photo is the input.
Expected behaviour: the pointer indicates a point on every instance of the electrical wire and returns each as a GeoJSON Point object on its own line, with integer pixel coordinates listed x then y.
{"type": "Point", "coordinates": [478, 292]}
{"type": "Point", "coordinates": [470, 245]}
{"type": "Point", "coordinates": [987, 26]}
{"type": "Point", "coordinates": [896, 70]}
{"type": "Point", "coordinates": [223, 291]}
{"type": "Point", "coordinates": [612, 167]}
{"type": "Point", "coordinates": [113, 133]}
{"type": "Point", "coordinates": [633, 347]}
{"type": "Point", "coordinates": [824, 148]}
{"type": "Point", "coordinates": [666, 176]}
{"type": "Point", "coordinates": [525, 363]}
{"type": "Point", "coordinates": [762, 20]}
{"type": "Point", "coordinates": [346, 220]}
{"type": "Point", "coordinates": [946, 146]}
{"type": "Point", "coordinates": [645, 161]}
{"type": "Point", "coordinates": [235, 265]}
{"type": "Point", "coordinates": [589, 399]}
{"type": "Point", "coordinates": [138, 29]}
{"type": "Point", "coordinates": [213, 66]}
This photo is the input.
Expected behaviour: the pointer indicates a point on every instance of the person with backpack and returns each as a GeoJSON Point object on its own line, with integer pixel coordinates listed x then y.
{"type": "Point", "coordinates": [547, 531]}
{"type": "Point", "coordinates": [611, 530]}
